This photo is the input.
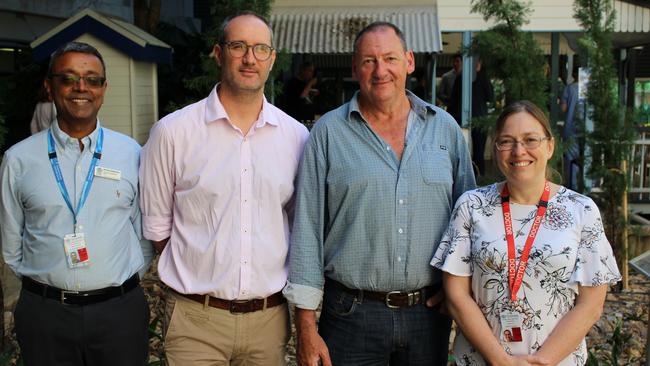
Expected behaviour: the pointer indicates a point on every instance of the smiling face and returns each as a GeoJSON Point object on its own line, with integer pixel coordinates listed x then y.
{"type": "Point", "coordinates": [521, 165]}
{"type": "Point", "coordinates": [381, 65]}
{"type": "Point", "coordinates": [246, 73]}
{"type": "Point", "coordinates": [79, 103]}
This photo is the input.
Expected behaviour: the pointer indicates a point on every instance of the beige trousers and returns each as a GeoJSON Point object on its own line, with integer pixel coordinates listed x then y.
{"type": "Point", "coordinates": [198, 335]}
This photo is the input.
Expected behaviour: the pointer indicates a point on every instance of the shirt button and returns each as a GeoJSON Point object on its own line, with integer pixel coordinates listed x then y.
{"type": "Point", "coordinates": [400, 230]}
{"type": "Point", "coordinates": [399, 259]}
{"type": "Point", "coordinates": [401, 202]}
{"type": "Point", "coordinates": [387, 147]}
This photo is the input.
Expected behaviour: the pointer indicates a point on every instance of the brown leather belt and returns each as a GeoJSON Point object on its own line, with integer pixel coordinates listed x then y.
{"type": "Point", "coordinates": [239, 306]}
{"type": "Point", "coordinates": [392, 299]}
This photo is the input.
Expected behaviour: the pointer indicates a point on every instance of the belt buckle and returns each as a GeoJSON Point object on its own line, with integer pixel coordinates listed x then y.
{"type": "Point", "coordinates": [234, 303]}
{"type": "Point", "coordinates": [64, 292]}
{"type": "Point", "coordinates": [387, 300]}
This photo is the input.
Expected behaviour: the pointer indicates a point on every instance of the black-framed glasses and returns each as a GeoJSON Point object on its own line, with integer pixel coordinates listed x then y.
{"type": "Point", "coordinates": [261, 51]}
{"type": "Point", "coordinates": [92, 81]}
{"type": "Point", "coordinates": [529, 142]}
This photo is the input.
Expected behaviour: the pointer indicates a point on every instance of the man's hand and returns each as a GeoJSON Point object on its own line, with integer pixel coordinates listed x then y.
{"type": "Point", "coordinates": [311, 347]}
{"type": "Point", "coordinates": [438, 301]}
{"type": "Point", "coordinates": [159, 245]}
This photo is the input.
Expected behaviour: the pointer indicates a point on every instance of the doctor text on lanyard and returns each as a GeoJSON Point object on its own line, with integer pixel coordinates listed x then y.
{"type": "Point", "coordinates": [516, 273]}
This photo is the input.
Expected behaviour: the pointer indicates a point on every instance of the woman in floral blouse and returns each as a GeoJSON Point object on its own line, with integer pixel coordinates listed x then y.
{"type": "Point", "coordinates": [528, 294]}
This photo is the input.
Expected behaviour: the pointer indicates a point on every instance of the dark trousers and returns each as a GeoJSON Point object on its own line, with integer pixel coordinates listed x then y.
{"type": "Point", "coordinates": [362, 332]}
{"type": "Point", "coordinates": [108, 333]}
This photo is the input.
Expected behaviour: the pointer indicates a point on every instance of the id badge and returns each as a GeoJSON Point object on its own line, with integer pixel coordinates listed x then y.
{"type": "Point", "coordinates": [107, 173]}
{"type": "Point", "coordinates": [511, 324]}
{"type": "Point", "coordinates": [76, 252]}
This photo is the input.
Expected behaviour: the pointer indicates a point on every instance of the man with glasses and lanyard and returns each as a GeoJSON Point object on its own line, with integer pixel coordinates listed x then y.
{"type": "Point", "coordinates": [71, 227]}
{"type": "Point", "coordinates": [217, 191]}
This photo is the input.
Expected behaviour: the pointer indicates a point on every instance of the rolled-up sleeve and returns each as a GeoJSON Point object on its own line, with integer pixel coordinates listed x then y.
{"type": "Point", "coordinates": [12, 217]}
{"type": "Point", "coordinates": [463, 171]}
{"type": "Point", "coordinates": [304, 288]}
{"type": "Point", "coordinates": [157, 179]}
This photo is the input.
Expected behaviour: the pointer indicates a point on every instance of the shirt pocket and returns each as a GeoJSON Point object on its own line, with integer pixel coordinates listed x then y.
{"type": "Point", "coordinates": [114, 193]}
{"type": "Point", "coordinates": [435, 165]}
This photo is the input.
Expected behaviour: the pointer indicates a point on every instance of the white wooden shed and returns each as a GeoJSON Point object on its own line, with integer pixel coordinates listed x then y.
{"type": "Point", "coordinates": [131, 56]}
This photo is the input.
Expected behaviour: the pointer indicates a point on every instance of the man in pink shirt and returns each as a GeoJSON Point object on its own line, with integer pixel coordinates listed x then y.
{"type": "Point", "coordinates": [217, 181]}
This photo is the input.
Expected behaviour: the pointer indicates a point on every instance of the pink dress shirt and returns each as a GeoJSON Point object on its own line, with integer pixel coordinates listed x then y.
{"type": "Point", "coordinates": [223, 198]}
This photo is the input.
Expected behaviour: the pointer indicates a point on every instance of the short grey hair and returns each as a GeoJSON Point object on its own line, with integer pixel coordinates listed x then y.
{"type": "Point", "coordinates": [74, 47]}
{"type": "Point", "coordinates": [376, 25]}
{"type": "Point", "coordinates": [224, 24]}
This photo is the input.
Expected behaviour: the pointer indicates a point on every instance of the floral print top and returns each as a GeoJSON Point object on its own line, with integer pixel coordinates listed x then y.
{"type": "Point", "coordinates": [570, 250]}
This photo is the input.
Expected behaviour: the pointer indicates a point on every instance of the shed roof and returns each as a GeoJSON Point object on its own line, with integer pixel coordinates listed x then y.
{"type": "Point", "coordinates": [124, 36]}
{"type": "Point", "coordinates": [331, 29]}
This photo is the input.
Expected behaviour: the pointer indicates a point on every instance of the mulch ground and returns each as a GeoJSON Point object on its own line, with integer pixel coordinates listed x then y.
{"type": "Point", "coordinates": [618, 338]}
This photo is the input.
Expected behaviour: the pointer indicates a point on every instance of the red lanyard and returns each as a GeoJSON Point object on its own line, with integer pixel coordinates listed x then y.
{"type": "Point", "coordinates": [516, 273]}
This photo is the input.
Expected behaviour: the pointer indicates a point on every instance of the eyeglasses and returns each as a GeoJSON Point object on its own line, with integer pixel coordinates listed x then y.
{"type": "Point", "coordinates": [261, 51]}
{"type": "Point", "coordinates": [529, 142]}
{"type": "Point", "coordinates": [70, 80]}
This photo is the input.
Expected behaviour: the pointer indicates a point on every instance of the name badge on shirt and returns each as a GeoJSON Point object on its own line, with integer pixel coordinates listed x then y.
{"type": "Point", "coordinates": [511, 323]}
{"type": "Point", "coordinates": [76, 252]}
{"type": "Point", "coordinates": [108, 173]}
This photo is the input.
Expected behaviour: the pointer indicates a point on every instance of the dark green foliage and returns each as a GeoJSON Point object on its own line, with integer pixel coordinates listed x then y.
{"type": "Point", "coordinates": [18, 96]}
{"type": "Point", "coordinates": [3, 131]}
{"type": "Point", "coordinates": [510, 54]}
{"type": "Point", "coordinates": [609, 354]}
{"type": "Point", "coordinates": [514, 59]}
{"type": "Point", "coordinates": [612, 135]}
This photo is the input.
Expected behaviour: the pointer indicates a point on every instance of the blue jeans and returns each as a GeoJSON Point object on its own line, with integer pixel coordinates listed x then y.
{"type": "Point", "coordinates": [362, 332]}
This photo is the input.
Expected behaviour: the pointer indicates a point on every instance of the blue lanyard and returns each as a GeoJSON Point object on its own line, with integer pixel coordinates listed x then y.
{"type": "Point", "coordinates": [54, 161]}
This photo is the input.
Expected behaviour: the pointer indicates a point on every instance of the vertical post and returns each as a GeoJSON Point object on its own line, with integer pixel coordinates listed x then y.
{"type": "Point", "coordinates": [631, 74]}
{"type": "Point", "coordinates": [647, 338]}
{"type": "Point", "coordinates": [622, 79]}
{"type": "Point", "coordinates": [467, 76]}
{"type": "Point", "coordinates": [272, 90]}
{"type": "Point", "coordinates": [434, 66]}
{"type": "Point", "coordinates": [555, 68]}
{"type": "Point", "coordinates": [625, 270]}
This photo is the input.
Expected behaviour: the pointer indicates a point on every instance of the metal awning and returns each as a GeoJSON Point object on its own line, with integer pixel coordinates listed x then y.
{"type": "Point", "coordinates": [331, 30]}
{"type": "Point", "coordinates": [631, 17]}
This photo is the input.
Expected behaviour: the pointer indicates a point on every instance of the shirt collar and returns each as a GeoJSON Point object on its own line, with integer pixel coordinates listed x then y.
{"type": "Point", "coordinates": [214, 111]}
{"type": "Point", "coordinates": [63, 139]}
{"type": "Point", "coordinates": [418, 106]}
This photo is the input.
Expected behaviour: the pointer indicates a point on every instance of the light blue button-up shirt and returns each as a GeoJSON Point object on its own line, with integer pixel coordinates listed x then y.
{"type": "Point", "coordinates": [34, 217]}
{"type": "Point", "coordinates": [365, 218]}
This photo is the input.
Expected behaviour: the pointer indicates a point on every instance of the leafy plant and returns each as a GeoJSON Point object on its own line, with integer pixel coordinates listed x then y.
{"type": "Point", "coordinates": [510, 54]}
{"type": "Point", "coordinates": [613, 132]}
{"type": "Point", "coordinates": [514, 58]}
{"type": "Point", "coordinates": [618, 340]}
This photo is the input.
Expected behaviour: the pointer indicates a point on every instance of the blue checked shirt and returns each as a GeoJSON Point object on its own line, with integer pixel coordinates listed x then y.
{"type": "Point", "coordinates": [363, 217]}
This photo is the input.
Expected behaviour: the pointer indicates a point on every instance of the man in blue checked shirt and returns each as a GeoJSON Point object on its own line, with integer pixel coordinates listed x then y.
{"type": "Point", "coordinates": [376, 185]}
{"type": "Point", "coordinates": [71, 228]}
